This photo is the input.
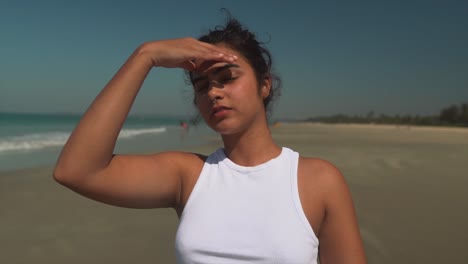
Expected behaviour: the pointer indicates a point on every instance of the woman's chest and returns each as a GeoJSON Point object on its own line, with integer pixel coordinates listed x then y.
{"type": "Point", "coordinates": [243, 230]}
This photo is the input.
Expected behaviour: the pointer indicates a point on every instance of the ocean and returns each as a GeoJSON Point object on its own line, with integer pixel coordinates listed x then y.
{"type": "Point", "coordinates": [30, 140]}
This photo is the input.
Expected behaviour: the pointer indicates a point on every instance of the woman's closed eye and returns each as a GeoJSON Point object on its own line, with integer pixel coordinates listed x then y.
{"type": "Point", "coordinates": [224, 79]}
{"type": "Point", "coordinates": [227, 79]}
{"type": "Point", "coordinates": [202, 86]}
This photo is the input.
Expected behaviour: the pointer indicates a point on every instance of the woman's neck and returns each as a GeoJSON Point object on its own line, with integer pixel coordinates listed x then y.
{"type": "Point", "coordinates": [251, 147]}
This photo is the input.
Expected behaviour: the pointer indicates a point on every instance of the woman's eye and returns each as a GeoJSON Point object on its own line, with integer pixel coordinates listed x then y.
{"type": "Point", "coordinates": [228, 79]}
{"type": "Point", "coordinates": [202, 87]}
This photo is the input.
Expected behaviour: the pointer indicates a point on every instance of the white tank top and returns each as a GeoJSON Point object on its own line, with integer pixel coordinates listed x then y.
{"type": "Point", "coordinates": [239, 214]}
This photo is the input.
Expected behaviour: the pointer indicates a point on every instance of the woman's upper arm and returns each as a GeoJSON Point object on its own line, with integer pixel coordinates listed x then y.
{"type": "Point", "coordinates": [340, 239]}
{"type": "Point", "coordinates": [138, 181]}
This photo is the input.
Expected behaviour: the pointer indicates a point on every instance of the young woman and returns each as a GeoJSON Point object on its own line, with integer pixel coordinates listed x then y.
{"type": "Point", "coordinates": [249, 202]}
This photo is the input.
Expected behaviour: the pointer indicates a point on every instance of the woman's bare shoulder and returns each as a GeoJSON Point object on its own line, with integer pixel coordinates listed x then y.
{"type": "Point", "coordinates": [183, 158]}
{"type": "Point", "coordinates": [186, 163]}
{"type": "Point", "coordinates": [320, 170]}
{"type": "Point", "coordinates": [339, 232]}
{"type": "Point", "coordinates": [323, 177]}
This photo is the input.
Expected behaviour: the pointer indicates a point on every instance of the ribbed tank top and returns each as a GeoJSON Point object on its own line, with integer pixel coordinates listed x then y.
{"type": "Point", "coordinates": [238, 214]}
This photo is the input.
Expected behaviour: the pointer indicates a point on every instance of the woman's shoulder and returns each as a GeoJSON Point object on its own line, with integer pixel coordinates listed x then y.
{"type": "Point", "coordinates": [318, 165]}
{"type": "Point", "coordinates": [320, 173]}
{"type": "Point", "coordinates": [183, 155]}
{"type": "Point", "coordinates": [181, 158]}
{"type": "Point", "coordinates": [190, 165]}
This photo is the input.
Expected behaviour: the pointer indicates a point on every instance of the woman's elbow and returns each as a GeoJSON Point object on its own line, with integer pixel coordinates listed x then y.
{"type": "Point", "coordinates": [65, 175]}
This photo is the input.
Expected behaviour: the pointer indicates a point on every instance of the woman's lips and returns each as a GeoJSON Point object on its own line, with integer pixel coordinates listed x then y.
{"type": "Point", "coordinates": [220, 111]}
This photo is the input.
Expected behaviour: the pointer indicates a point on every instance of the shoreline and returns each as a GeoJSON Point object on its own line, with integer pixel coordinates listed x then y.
{"type": "Point", "coordinates": [173, 138]}
{"type": "Point", "coordinates": [382, 126]}
{"type": "Point", "coordinates": [207, 142]}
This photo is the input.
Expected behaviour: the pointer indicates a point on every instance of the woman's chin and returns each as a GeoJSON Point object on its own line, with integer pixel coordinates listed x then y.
{"type": "Point", "coordinates": [225, 128]}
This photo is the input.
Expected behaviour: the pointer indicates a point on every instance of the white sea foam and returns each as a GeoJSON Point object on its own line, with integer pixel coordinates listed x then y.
{"type": "Point", "coordinates": [39, 141]}
{"type": "Point", "coordinates": [128, 133]}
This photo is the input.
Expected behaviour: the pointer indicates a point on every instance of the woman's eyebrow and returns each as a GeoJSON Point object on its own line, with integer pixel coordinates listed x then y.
{"type": "Point", "coordinates": [216, 71]}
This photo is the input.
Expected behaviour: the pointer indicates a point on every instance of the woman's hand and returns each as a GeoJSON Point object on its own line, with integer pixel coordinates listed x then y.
{"type": "Point", "coordinates": [186, 53]}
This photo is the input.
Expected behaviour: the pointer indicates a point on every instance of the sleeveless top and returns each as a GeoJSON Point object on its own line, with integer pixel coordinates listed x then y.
{"type": "Point", "coordinates": [238, 214]}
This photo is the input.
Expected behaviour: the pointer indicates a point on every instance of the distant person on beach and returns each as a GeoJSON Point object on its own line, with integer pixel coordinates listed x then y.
{"type": "Point", "coordinates": [250, 201]}
{"type": "Point", "coordinates": [184, 126]}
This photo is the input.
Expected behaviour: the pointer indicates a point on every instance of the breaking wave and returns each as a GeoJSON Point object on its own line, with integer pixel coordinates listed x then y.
{"type": "Point", "coordinates": [39, 141]}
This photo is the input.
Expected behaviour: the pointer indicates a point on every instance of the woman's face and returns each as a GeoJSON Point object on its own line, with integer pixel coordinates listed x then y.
{"type": "Point", "coordinates": [227, 95]}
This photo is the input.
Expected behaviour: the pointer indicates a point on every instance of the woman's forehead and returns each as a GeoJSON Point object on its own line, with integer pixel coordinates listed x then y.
{"type": "Point", "coordinates": [226, 48]}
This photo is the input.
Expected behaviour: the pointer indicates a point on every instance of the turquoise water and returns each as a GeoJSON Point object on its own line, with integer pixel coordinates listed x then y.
{"type": "Point", "coordinates": [31, 140]}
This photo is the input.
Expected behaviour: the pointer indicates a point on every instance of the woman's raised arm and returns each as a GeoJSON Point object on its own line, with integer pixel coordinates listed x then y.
{"type": "Point", "coordinates": [87, 164]}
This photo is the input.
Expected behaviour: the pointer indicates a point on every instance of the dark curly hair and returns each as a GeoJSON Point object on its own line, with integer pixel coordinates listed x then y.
{"type": "Point", "coordinates": [240, 39]}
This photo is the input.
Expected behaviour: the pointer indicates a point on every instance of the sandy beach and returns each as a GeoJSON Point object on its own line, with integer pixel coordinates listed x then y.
{"type": "Point", "coordinates": [408, 185]}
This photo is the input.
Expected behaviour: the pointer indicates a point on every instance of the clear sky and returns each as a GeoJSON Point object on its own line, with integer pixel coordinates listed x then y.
{"type": "Point", "coordinates": [393, 57]}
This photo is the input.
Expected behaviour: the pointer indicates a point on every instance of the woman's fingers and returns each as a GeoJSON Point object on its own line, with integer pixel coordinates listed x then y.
{"type": "Point", "coordinates": [207, 60]}
{"type": "Point", "coordinates": [206, 51]}
{"type": "Point", "coordinates": [185, 53]}
{"type": "Point", "coordinates": [189, 65]}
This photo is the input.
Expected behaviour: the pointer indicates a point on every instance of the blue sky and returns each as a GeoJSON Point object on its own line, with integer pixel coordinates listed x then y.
{"type": "Point", "coordinates": [393, 57]}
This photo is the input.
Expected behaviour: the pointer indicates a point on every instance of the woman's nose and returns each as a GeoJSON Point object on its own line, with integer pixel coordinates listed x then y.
{"type": "Point", "coordinates": [215, 91]}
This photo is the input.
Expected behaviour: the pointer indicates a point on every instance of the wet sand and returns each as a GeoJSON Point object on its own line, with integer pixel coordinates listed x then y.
{"type": "Point", "coordinates": [408, 185]}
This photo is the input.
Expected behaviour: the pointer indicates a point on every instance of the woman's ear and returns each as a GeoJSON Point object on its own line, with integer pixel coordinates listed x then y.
{"type": "Point", "coordinates": [266, 88]}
